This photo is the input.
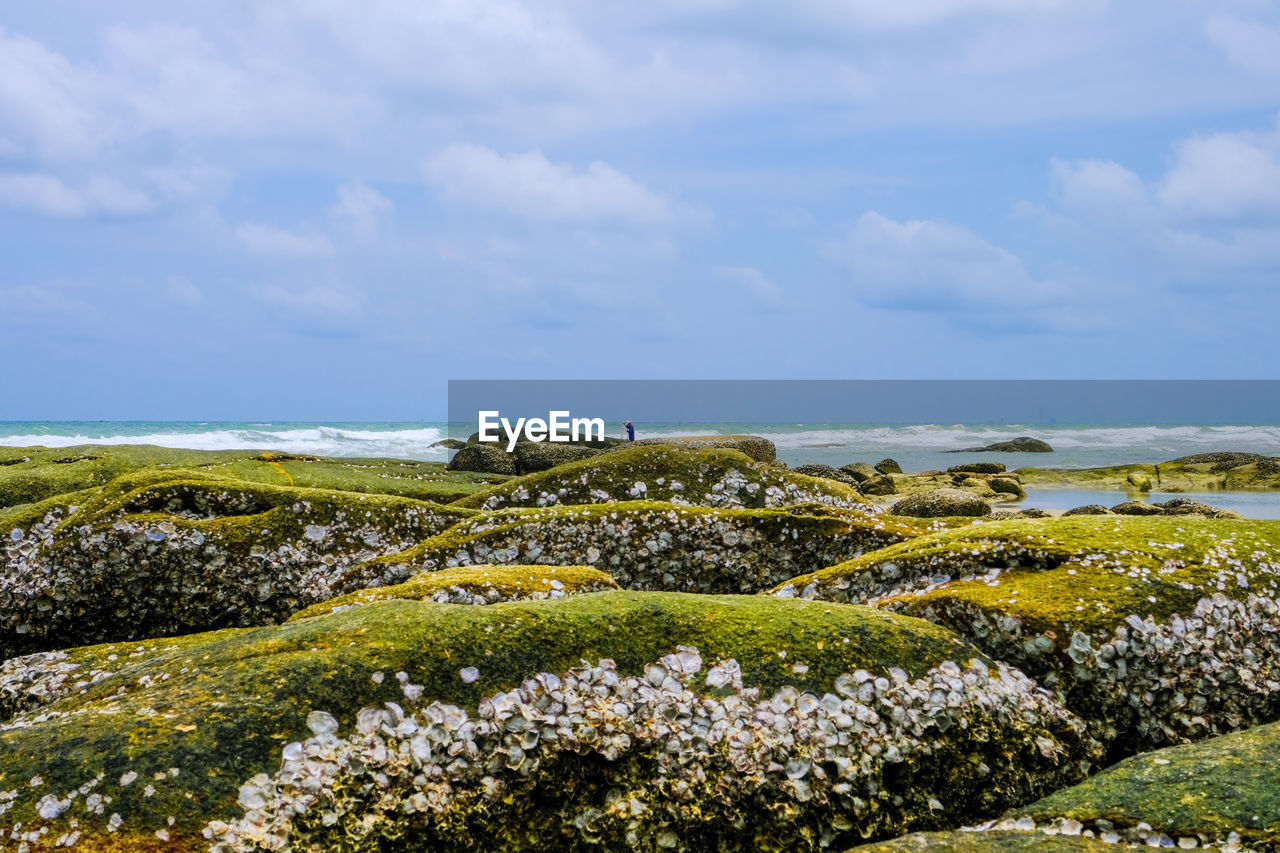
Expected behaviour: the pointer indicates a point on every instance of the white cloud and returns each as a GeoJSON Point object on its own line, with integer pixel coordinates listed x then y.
{"type": "Point", "coordinates": [878, 15]}
{"type": "Point", "coordinates": [753, 283]}
{"type": "Point", "coordinates": [529, 186]}
{"type": "Point", "coordinates": [928, 265]}
{"type": "Point", "coordinates": [320, 301]}
{"type": "Point", "coordinates": [45, 195]}
{"type": "Point", "coordinates": [360, 210]}
{"type": "Point", "coordinates": [1248, 44]}
{"type": "Point", "coordinates": [270, 240]}
{"type": "Point", "coordinates": [47, 102]}
{"type": "Point", "coordinates": [1225, 175]}
{"type": "Point", "coordinates": [322, 310]}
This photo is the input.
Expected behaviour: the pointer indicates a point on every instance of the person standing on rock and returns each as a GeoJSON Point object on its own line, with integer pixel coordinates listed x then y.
{"type": "Point", "coordinates": [631, 431]}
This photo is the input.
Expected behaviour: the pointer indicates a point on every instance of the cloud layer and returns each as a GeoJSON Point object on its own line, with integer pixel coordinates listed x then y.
{"type": "Point", "coordinates": [364, 194]}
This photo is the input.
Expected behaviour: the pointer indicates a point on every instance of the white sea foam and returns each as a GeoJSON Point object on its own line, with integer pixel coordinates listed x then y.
{"type": "Point", "coordinates": [919, 447]}
{"type": "Point", "coordinates": [411, 442]}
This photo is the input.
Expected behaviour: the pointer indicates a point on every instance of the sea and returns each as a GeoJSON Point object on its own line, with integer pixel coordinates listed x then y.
{"type": "Point", "coordinates": [916, 447]}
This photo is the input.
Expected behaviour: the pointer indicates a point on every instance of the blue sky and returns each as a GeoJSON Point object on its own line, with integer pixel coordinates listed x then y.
{"type": "Point", "coordinates": [323, 209]}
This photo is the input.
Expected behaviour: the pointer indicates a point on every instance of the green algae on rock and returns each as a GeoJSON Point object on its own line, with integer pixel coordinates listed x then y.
{"type": "Point", "coordinates": [30, 474]}
{"type": "Point", "coordinates": [991, 841]}
{"type": "Point", "coordinates": [699, 477]}
{"type": "Point", "coordinates": [941, 503]}
{"type": "Point", "coordinates": [1205, 472]}
{"type": "Point", "coordinates": [476, 585]}
{"type": "Point", "coordinates": [1153, 629]}
{"type": "Point", "coordinates": [1221, 791]}
{"type": "Point", "coordinates": [895, 724]}
{"type": "Point", "coordinates": [651, 545]}
{"type": "Point", "coordinates": [160, 552]}
{"type": "Point", "coordinates": [759, 449]}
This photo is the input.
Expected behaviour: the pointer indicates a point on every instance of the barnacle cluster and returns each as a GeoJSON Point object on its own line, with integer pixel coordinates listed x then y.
{"type": "Point", "coordinates": [1153, 639]}
{"type": "Point", "coordinates": [650, 545]}
{"type": "Point", "coordinates": [163, 556]}
{"type": "Point", "coordinates": [688, 477]}
{"type": "Point", "coordinates": [677, 768]}
{"type": "Point", "coordinates": [476, 585]}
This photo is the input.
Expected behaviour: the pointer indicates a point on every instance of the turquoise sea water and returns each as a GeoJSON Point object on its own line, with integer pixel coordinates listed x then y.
{"type": "Point", "coordinates": [917, 447]}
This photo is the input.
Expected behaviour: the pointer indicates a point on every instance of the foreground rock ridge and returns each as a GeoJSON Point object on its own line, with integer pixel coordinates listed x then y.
{"type": "Point", "coordinates": [670, 645]}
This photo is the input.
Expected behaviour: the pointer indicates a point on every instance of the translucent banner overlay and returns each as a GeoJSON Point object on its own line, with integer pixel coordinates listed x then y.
{"type": "Point", "coordinates": [869, 401]}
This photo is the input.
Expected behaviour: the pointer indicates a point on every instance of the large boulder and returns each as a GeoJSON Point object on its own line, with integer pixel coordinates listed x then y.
{"type": "Point", "coordinates": [940, 503]}
{"type": "Point", "coordinates": [650, 545]}
{"type": "Point", "coordinates": [156, 553]}
{"type": "Point", "coordinates": [610, 721]}
{"type": "Point", "coordinates": [1156, 630]}
{"type": "Point", "coordinates": [1006, 486]}
{"type": "Point", "coordinates": [888, 466]}
{"type": "Point", "coordinates": [1021, 444]}
{"type": "Point", "coordinates": [826, 472]}
{"type": "Point", "coordinates": [759, 449]}
{"type": "Point", "coordinates": [483, 458]}
{"type": "Point", "coordinates": [1089, 509]}
{"type": "Point", "coordinates": [881, 485]}
{"type": "Point", "coordinates": [1136, 508]}
{"type": "Point", "coordinates": [977, 468]}
{"type": "Point", "coordinates": [861, 471]}
{"type": "Point", "coordinates": [1221, 793]}
{"type": "Point", "coordinates": [1186, 506]}
{"type": "Point", "coordinates": [710, 477]}
{"type": "Point", "coordinates": [533, 456]}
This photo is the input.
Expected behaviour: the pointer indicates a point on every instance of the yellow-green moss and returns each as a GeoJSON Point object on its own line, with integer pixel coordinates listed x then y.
{"type": "Point", "coordinates": [30, 474]}
{"type": "Point", "coordinates": [508, 582]}
{"type": "Point", "coordinates": [1079, 573]}
{"type": "Point", "coordinates": [987, 842]}
{"type": "Point", "coordinates": [1213, 788]}
{"type": "Point", "coordinates": [702, 477]}
{"type": "Point", "coordinates": [1165, 477]}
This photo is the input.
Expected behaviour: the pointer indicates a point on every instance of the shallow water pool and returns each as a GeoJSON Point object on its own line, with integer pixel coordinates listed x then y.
{"type": "Point", "coordinates": [1248, 504]}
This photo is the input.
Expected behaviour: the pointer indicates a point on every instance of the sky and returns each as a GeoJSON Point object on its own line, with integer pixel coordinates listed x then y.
{"type": "Point", "coordinates": [313, 209]}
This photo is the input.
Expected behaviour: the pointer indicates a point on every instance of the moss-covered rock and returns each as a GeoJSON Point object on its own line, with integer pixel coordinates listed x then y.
{"type": "Point", "coordinates": [1222, 790]}
{"type": "Point", "coordinates": [162, 552]}
{"type": "Point", "coordinates": [941, 503]}
{"type": "Point", "coordinates": [881, 485]}
{"type": "Point", "coordinates": [31, 474]}
{"type": "Point", "coordinates": [1155, 629]}
{"type": "Point", "coordinates": [992, 841]}
{"type": "Point", "coordinates": [1089, 509]}
{"type": "Point", "coordinates": [826, 472]}
{"type": "Point", "coordinates": [711, 477]}
{"type": "Point", "coordinates": [1021, 444]}
{"type": "Point", "coordinates": [533, 456]}
{"type": "Point", "coordinates": [483, 458]}
{"type": "Point", "coordinates": [861, 471]}
{"type": "Point", "coordinates": [475, 585]}
{"type": "Point", "coordinates": [759, 449]}
{"type": "Point", "coordinates": [1203, 472]}
{"type": "Point", "coordinates": [888, 466]}
{"type": "Point", "coordinates": [651, 545]}
{"type": "Point", "coordinates": [1006, 487]}
{"type": "Point", "coordinates": [863, 726]}
{"type": "Point", "coordinates": [977, 468]}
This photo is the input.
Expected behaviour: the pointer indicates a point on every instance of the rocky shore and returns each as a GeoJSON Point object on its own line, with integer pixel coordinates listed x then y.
{"type": "Point", "coordinates": [661, 646]}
